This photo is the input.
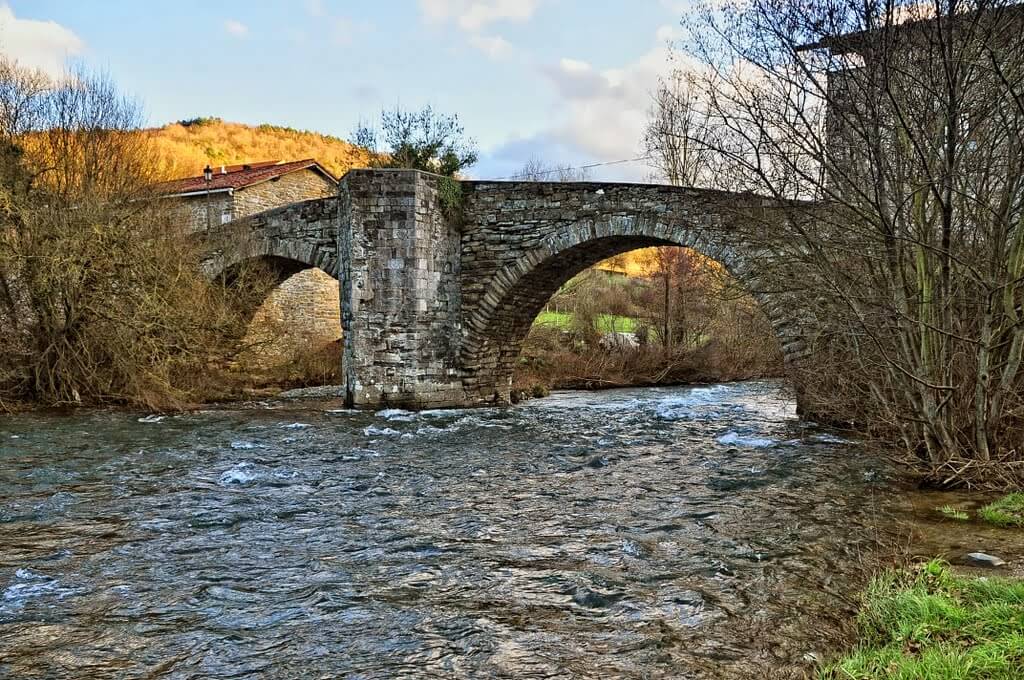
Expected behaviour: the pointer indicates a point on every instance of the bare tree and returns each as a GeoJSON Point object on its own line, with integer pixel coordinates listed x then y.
{"type": "Point", "coordinates": [101, 295]}
{"type": "Point", "coordinates": [905, 126]}
{"type": "Point", "coordinates": [676, 139]}
{"type": "Point", "coordinates": [536, 170]}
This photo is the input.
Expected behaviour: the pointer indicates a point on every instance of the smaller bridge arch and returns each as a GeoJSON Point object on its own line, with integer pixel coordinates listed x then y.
{"type": "Point", "coordinates": [296, 245]}
{"type": "Point", "coordinates": [290, 238]}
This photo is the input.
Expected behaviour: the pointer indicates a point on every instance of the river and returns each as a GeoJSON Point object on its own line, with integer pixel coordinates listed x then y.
{"type": "Point", "coordinates": [691, 532]}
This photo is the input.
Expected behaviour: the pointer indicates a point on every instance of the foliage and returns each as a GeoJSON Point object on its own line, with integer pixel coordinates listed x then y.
{"type": "Point", "coordinates": [200, 121]}
{"type": "Point", "coordinates": [930, 623]}
{"type": "Point", "coordinates": [101, 296]}
{"type": "Point", "coordinates": [606, 323]}
{"type": "Point", "coordinates": [717, 332]}
{"type": "Point", "coordinates": [909, 264]}
{"type": "Point", "coordinates": [420, 140]}
{"type": "Point", "coordinates": [1008, 511]}
{"type": "Point", "coordinates": [449, 194]}
{"type": "Point", "coordinates": [950, 512]}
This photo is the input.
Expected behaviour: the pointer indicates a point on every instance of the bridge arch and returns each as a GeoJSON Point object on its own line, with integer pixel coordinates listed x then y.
{"type": "Point", "coordinates": [303, 233]}
{"type": "Point", "coordinates": [498, 321]}
{"type": "Point", "coordinates": [439, 283]}
{"type": "Point", "coordinates": [296, 245]}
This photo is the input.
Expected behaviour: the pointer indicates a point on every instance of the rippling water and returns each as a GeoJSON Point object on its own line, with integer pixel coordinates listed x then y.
{"type": "Point", "coordinates": [685, 532]}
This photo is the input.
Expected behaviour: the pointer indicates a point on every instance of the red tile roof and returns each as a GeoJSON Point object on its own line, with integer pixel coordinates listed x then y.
{"type": "Point", "coordinates": [239, 176]}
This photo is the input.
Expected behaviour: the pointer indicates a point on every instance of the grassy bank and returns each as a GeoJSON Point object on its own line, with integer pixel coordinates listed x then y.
{"type": "Point", "coordinates": [605, 323]}
{"type": "Point", "coordinates": [928, 623]}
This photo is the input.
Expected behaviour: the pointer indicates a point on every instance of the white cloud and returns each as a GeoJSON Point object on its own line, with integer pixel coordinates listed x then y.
{"type": "Point", "coordinates": [236, 28]}
{"type": "Point", "coordinates": [344, 31]}
{"type": "Point", "coordinates": [600, 114]}
{"type": "Point", "coordinates": [39, 44]}
{"type": "Point", "coordinates": [480, 14]}
{"type": "Point", "coordinates": [473, 17]}
{"type": "Point", "coordinates": [494, 46]}
{"type": "Point", "coordinates": [315, 8]}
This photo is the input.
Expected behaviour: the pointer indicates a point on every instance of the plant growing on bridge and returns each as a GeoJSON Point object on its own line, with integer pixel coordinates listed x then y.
{"type": "Point", "coordinates": [449, 194]}
{"type": "Point", "coordinates": [419, 140]}
{"type": "Point", "coordinates": [904, 124]}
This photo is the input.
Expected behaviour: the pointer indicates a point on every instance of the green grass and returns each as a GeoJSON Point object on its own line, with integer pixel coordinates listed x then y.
{"type": "Point", "coordinates": [929, 624]}
{"type": "Point", "coordinates": [606, 323]}
{"type": "Point", "coordinates": [953, 513]}
{"type": "Point", "coordinates": [559, 319]}
{"type": "Point", "coordinates": [1008, 511]}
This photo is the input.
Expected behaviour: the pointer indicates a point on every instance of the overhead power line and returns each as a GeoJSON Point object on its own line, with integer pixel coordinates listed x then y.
{"type": "Point", "coordinates": [579, 167]}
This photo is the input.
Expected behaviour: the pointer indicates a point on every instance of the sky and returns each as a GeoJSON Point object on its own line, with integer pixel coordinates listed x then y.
{"type": "Point", "coordinates": [564, 81]}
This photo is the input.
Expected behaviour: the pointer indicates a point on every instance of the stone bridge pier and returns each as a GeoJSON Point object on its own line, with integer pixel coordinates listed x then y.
{"type": "Point", "coordinates": [441, 280]}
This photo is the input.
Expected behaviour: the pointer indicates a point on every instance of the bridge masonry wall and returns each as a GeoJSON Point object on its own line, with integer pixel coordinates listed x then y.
{"type": "Point", "coordinates": [434, 310]}
{"type": "Point", "coordinates": [399, 292]}
{"type": "Point", "coordinates": [305, 233]}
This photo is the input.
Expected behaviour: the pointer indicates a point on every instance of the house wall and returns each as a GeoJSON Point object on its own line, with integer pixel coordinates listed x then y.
{"type": "Point", "coordinates": [191, 211]}
{"type": "Point", "coordinates": [302, 185]}
{"type": "Point", "coordinates": [291, 188]}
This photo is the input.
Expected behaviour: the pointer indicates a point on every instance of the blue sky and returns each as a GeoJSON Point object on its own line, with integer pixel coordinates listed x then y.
{"type": "Point", "coordinates": [566, 81]}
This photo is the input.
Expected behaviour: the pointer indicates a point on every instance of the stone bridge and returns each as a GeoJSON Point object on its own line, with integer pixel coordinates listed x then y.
{"type": "Point", "coordinates": [439, 294]}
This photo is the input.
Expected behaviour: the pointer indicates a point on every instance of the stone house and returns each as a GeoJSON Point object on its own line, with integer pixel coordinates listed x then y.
{"type": "Point", "coordinates": [236, 191]}
{"type": "Point", "coordinates": [303, 314]}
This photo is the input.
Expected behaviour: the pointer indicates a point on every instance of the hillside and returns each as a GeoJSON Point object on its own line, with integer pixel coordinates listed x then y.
{"type": "Point", "coordinates": [183, 148]}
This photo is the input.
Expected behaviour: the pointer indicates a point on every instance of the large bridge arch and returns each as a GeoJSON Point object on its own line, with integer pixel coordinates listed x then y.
{"type": "Point", "coordinates": [552, 231]}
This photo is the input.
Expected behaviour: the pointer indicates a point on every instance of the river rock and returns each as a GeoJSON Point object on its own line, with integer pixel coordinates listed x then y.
{"type": "Point", "coordinates": [980, 559]}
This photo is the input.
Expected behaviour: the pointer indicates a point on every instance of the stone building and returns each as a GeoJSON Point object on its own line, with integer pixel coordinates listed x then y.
{"type": "Point", "coordinates": [302, 314]}
{"type": "Point", "coordinates": [236, 191]}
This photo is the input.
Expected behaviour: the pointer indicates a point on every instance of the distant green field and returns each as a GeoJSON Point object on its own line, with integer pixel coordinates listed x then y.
{"type": "Point", "coordinates": [606, 323]}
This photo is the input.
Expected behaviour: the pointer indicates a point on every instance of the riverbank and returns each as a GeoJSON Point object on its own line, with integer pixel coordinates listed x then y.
{"type": "Point", "coordinates": [928, 621]}
{"type": "Point", "coordinates": [545, 364]}
{"type": "Point", "coordinates": [958, 616]}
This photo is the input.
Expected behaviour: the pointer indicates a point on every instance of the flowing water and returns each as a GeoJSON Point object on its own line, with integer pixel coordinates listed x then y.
{"type": "Point", "coordinates": [678, 533]}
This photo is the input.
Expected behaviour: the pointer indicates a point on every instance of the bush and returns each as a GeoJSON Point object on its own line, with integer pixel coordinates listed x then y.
{"type": "Point", "coordinates": [200, 121]}
{"type": "Point", "coordinates": [101, 295]}
{"type": "Point", "coordinates": [1008, 511]}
